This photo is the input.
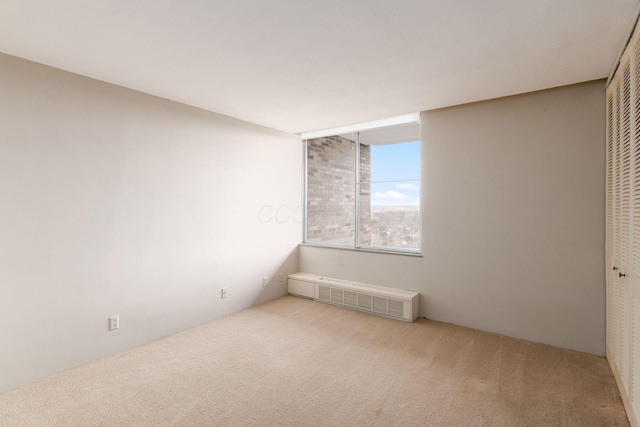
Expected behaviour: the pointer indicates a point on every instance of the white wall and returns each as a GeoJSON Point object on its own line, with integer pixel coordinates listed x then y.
{"type": "Point", "coordinates": [116, 202]}
{"type": "Point", "coordinates": [513, 220]}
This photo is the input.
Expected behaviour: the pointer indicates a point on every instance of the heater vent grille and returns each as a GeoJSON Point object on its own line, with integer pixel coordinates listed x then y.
{"type": "Point", "coordinates": [389, 302]}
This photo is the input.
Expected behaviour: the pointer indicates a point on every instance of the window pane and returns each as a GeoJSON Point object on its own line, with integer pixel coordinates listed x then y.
{"type": "Point", "coordinates": [395, 152]}
{"type": "Point", "coordinates": [331, 190]}
{"type": "Point", "coordinates": [390, 216]}
{"type": "Point", "coordinates": [389, 212]}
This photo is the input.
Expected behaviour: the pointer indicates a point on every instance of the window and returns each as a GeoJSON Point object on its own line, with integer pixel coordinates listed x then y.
{"type": "Point", "coordinates": [363, 187]}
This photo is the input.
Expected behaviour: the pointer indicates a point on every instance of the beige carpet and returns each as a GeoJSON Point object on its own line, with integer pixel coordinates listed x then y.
{"type": "Point", "coordinates": [293, 362]}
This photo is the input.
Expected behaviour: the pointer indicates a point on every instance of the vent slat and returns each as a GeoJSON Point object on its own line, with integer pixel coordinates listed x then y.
{"type": "Point", "coordinates": [380, 305]}
{"type": "Point", "coordinates": [350, 298]}
{"type": "Point", "coordinates": [337, 296]}
{"type": "Point", "coordinates": [396, 308]}
{"type": "Point", "coordinates": [325, 293]}
{"type": "Point", "coordinates": [364, 301]}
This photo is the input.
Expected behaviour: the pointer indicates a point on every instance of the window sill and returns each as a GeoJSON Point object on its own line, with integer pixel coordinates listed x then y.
{"type": "Point", "coordinates": [365, 249]}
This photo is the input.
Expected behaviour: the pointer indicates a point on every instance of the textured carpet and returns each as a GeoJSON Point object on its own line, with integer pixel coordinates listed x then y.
{"type": "Point", "coordinates": [293, 362]}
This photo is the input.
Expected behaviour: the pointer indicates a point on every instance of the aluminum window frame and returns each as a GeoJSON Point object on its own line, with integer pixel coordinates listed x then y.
{"type": "Point", "coordinates": [399, 120]}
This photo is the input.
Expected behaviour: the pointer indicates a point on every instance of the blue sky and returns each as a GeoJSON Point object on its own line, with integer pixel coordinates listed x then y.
{"type": "Point", "coordinates": [395, 162]}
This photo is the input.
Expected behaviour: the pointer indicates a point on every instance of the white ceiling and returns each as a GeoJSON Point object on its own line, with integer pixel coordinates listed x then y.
{"type": "Point", "coordinates": [303, 65]}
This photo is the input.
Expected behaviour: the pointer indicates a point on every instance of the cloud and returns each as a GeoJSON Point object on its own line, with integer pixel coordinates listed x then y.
{"type": "Point", "coordinates": [407, 186]}
{"type": "Point", "coordinates": [390, 195]}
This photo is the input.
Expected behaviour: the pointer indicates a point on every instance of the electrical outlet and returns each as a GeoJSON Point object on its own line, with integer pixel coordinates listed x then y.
{"type": "Point", "coordinates": [223, 293]}
{"type": "Point", "coordinates": [265, 281]}
{"type": "Point", "coordinates": [281, 278]}
{"type": "Point", "coordinates": [114, 323]}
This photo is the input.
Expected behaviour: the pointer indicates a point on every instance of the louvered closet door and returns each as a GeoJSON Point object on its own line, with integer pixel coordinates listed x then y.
{"type": "Point", "coordinates": [631, 127]}
{"type": "Point", "coordinates": [623, 226]}
{"type": "Point", "coordinates": [620, 185]}
{"type": "Point", "coordinates": [620, 260]}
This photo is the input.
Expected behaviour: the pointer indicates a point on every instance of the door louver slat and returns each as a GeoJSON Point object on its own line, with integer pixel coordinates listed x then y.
{"type": "Point", "coordinates": [623, 333]}
{"type": "Point", "coordinates": [635, 351]}
{"type": "Point", "coordinates": [625, 178]}
{"type": "Point", "coordinates": [610, 168]}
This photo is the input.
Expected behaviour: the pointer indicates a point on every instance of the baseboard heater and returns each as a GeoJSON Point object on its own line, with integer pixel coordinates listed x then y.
{"type": "Point", "coordinates": [388, 302]}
